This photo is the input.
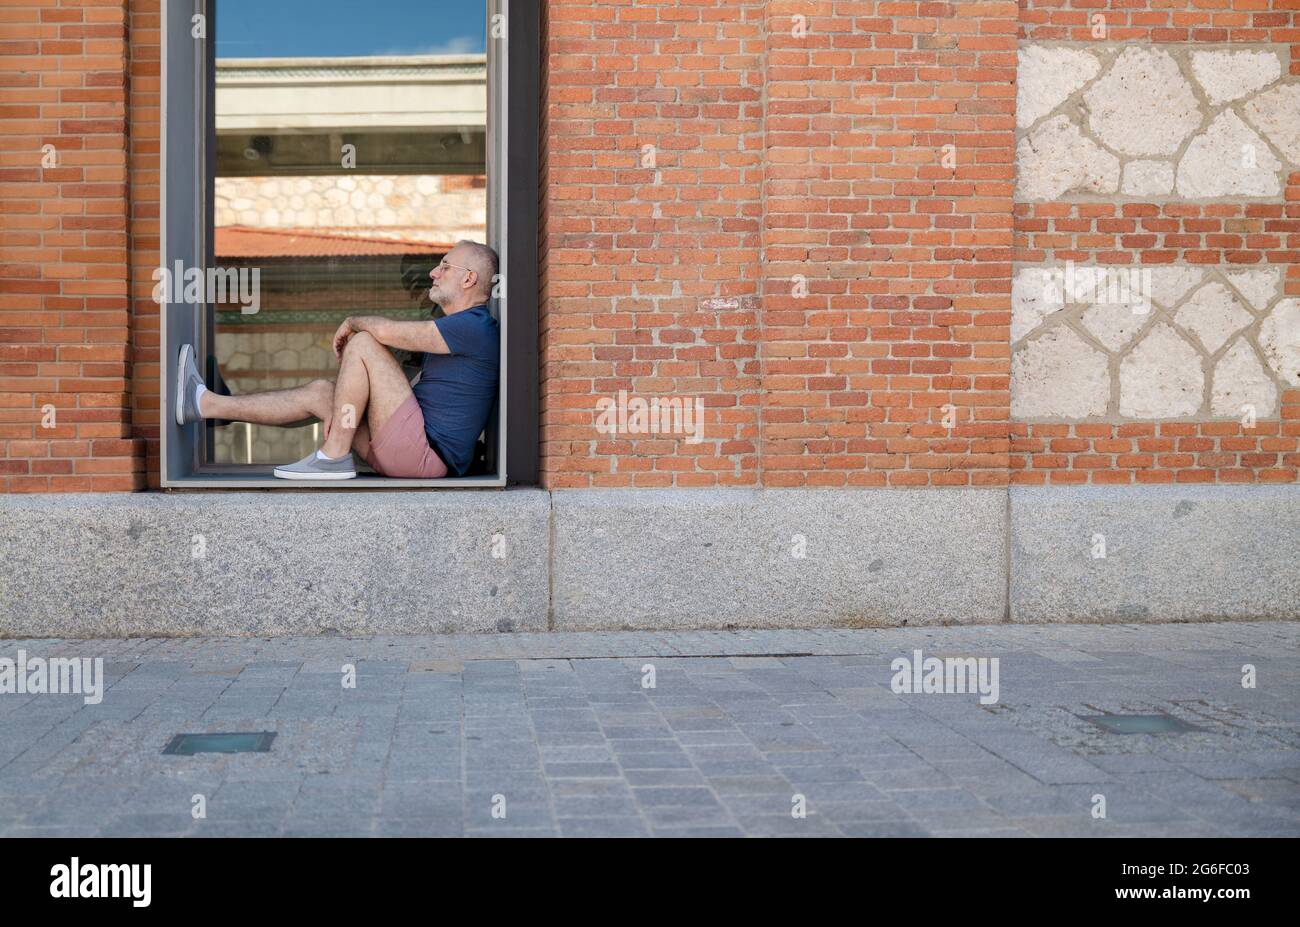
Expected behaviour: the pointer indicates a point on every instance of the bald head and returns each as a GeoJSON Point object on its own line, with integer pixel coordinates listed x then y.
{"type": "Point", "coordinates": [465, 277]}
{"type": "Point", "coordinates": [482, 260]}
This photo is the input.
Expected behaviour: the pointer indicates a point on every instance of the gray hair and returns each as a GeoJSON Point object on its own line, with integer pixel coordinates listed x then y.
{"type": "Point", "coordinates": [483, 261]}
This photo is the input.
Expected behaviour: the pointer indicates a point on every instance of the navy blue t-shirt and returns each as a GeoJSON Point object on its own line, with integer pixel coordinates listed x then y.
{"type": "Point", "coordinates": [456, 390]}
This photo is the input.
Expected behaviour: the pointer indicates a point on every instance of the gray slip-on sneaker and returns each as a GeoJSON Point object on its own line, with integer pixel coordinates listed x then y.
{"type": "Point", "coordinates": [312, 467]}
{"type": "Point", "coordinates": [187, 382]}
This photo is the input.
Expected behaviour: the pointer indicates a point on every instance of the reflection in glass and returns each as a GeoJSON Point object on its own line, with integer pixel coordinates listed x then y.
{"type": "Point", "coordinates": [345, 169]}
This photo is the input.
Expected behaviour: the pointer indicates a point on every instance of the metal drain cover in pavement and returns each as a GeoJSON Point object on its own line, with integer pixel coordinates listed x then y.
{"type": "Point", "coordinates": [1140, 724]}
{"type": "Point", "coordinates": [190, 744]}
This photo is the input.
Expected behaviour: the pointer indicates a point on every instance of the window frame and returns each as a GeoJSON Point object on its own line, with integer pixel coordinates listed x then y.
{"type": "Point", "coordinates": [187, 195]}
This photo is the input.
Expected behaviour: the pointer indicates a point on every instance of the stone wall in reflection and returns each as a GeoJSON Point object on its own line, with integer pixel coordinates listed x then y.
{"type": "Point", "coordinates": [413, 207]}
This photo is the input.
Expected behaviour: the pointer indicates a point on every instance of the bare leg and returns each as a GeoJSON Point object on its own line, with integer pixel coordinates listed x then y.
{"type": "Point", "coordinates": [361, 441]}
{"type": "Point", "coordinates": [278, 407]}
{"type": "Point", "coordinates": [370, 388]}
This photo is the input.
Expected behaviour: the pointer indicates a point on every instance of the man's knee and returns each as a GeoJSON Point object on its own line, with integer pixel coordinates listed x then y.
{"type": "Point", "coordinates": [322, 387]}
{"type": "Point", "coordinates": [361, 341]}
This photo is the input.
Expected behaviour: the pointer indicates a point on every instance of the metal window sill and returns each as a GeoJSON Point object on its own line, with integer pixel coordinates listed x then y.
{"type": "Point", "coordinates": [240, 481]}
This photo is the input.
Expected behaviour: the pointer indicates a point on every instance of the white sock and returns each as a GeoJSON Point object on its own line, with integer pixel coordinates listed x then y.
{"type": "Point", "coordinates": [198, 394]}
{"type": "Point", "coordinates": [320, 455]}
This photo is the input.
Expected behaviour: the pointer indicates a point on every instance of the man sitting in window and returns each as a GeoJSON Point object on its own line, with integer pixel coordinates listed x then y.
{"type": "Point", "coordinates": [426, 428]}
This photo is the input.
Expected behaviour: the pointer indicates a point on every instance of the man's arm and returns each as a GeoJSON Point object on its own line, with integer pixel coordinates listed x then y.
{"type": "Point", "coordinates": [406, 336]}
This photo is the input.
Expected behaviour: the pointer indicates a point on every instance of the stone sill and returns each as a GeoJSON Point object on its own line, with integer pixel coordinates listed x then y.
{"type": "Point", "coordinates": [525, 559]}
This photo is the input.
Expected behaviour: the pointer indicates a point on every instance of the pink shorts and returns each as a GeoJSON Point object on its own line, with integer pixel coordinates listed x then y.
{"type": "Point", "coordinates": [401, 448]}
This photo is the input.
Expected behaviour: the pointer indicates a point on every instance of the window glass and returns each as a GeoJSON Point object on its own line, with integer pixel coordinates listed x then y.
{"type": "Point", "coordinates": [350, 157]}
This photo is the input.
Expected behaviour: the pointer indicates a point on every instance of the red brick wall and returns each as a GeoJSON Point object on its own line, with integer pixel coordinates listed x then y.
{"type": "Point", "coordinates": [652, 273]}
{"type": "Point", "coordinates": [1162, 233]}
{"type": "Point", "coordinates": [64, 314]}
{"type": "Point", "coordinates": [783, 152]}
{"type": "Point", "coordinates": [1163, 21]}
{"type": "Point", "coordinates": [1158, 452]}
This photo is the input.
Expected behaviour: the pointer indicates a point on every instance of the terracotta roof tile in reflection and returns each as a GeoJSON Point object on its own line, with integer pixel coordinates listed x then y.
{"type": "Point", "coordinates": [234, 241]}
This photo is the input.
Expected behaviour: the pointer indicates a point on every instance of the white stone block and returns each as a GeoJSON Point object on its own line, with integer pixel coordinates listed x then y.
{"type": "Point", "coordinates": [1148, 178]}
{"type": "Point", "coordinates": [1142, 105]}
{"type": "Point", "coordinates": [1279, 337]}
{"type": "Point", "coordinates": [1213, 314]}
{"type": "Point", "coordinates": [1242, 384]}
{"type": "Point", "coordinates": [1046, 76]}
{"type": "Point", "coordinates": [1228, 159]}
{"type": "Point", "coordinates": [1036, 292]}
{"type": "Point", "coordinates": [1161, 377]}
{"type": "Point", "coordinates": [1057, 159]}
{"type": "Point", "coordinates": [1114, 324]}
{"type": "Point", "coordinates": [1231, 75]}
{"type": "Point", "coordinates": [1258, 286]}
{"type": "Point", "coordinates": [1059, 375]}
{"type": "Point", "coordinates": [1276, 113]}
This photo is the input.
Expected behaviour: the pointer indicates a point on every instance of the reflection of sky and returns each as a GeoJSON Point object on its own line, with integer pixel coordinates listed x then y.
{"type": "Point", "coordinates": [302, 28]}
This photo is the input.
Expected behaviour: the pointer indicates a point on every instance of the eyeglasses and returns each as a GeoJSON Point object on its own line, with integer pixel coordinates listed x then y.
{"type": "Point", "coordinates": [446, 263]}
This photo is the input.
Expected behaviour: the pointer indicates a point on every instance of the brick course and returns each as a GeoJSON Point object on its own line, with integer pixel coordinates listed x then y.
{"type": "Point", "coordinates": [1163, 21]}
{"type": "Point", "coordinates": [1163, 233]}
{"type": "Point", "coordinates": [1158, 452]}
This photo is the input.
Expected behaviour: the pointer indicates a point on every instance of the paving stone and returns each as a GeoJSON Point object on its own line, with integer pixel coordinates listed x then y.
{"type": "Point", "coordinates": [699, 832]}
{"type": "Point", "coordinates": [882, 829]}
{"type": "Point", "coordinates": [416, 826]}
{"type": "Point", "coordinates": [603, 827]}
{"type": "Point", "coordinates": [751, 785]}
{"type": "Point", "coordinates": [654, 761]}
{"type": "Point", "coordinates": [674, 796]}
{"type": "Point", "coordinates": [688, 816]}
{"type": "Point", "coordinates": [586, 806]}
{"type": "Point", "coordinates": [582, 770]}
{"type": "Point", "coordinates": [917, 800]}
{"type": "Point", "coordinates": [654, 777]}
{"type": "Point", "coordinates": [519, 719]}
{"type": "Point", "coordinates": [777, 825]}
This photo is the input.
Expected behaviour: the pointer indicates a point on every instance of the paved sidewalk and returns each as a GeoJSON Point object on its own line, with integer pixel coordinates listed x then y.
{"type": "Point", "coordinates": [740, 730]}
